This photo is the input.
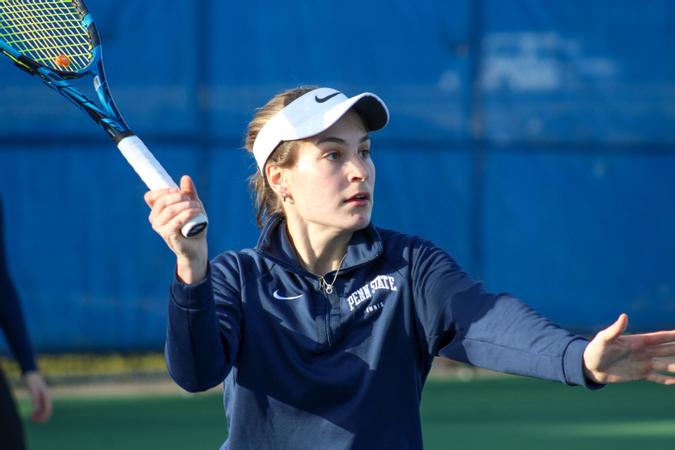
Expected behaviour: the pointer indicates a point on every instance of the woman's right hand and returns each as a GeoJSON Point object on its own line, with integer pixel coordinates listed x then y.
{"type": "Point", "coordinates": [172, 208]}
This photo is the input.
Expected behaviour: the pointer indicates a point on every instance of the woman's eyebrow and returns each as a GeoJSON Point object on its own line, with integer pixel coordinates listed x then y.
{"type": "Point", "coordinates": [337, 140]}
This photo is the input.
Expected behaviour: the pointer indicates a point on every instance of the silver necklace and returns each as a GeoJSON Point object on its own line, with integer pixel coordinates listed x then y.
{"type": "Point", "coordinates": [328, 287]}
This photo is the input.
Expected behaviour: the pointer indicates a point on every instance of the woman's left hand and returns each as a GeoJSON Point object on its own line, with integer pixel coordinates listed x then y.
{"type": "Point", "coordinates": [39, 392]}
{"type": "Point", "coordinates": [615, 358]}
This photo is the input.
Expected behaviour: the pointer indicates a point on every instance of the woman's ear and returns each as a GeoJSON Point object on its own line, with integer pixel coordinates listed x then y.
{"type": "Point", "coordinates": [276, 177]}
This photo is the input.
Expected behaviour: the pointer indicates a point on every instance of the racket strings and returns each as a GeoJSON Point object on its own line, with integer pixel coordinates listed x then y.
{"type": "Point", "coordinates": [39, 25]}
{"type": "Point", "coordinates": [36, 36]}
{"type": "Point", "coordinates": [50, 32]}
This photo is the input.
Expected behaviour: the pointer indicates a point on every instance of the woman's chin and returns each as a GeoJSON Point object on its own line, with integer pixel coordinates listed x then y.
{"type": "Point", "coordinates": [358, 222]}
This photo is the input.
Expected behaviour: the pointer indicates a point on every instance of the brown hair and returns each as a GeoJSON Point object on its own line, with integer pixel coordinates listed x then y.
{"type": "Point", "coordinates": [267, 202]}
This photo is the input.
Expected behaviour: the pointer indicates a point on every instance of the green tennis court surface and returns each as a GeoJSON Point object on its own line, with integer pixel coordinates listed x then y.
{"type": "Point", "coordinates": [504, 413]}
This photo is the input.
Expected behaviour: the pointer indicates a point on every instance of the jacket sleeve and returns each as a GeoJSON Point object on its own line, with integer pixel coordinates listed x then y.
{"type": "Point", "coordinates": [203, 328]}
{"type": "Point", "coordinates": [11, 317]}
{"type": "Point", "coordinates": [462, 321]}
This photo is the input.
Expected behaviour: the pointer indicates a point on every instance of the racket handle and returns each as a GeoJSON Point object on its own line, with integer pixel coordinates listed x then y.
{"type": "Point", "coordinates": [155, 177]}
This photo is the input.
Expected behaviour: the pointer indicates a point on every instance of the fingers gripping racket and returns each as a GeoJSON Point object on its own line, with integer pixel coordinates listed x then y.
{"type": "Point", "coordinates": [57, 40]}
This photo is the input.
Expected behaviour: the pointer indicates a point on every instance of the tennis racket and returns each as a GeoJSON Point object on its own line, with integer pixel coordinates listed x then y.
{"type": "Point", "coordinates": [57, 40]}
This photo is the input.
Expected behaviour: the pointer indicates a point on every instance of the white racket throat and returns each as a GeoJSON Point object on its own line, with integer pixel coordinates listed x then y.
{"type": "Point", "coordinates": [155, 177]}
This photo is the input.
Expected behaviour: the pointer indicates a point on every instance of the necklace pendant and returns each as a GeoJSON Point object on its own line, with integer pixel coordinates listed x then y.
{"type": "Point", "coordinates": [328, 288]}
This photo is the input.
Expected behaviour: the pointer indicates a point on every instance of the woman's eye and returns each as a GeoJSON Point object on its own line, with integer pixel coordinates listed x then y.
{"type": "Point", "coordinates": [332, 156]}
{"type": "Point", "coordinates": [365, 153]}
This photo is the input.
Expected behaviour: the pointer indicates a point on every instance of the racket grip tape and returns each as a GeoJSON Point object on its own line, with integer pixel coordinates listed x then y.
{"type": "Point", "coordinates": [155, 177]}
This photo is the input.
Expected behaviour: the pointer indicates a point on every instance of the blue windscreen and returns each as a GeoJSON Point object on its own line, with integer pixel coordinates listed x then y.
{"type": "Point", "coordinates": [532, 140]}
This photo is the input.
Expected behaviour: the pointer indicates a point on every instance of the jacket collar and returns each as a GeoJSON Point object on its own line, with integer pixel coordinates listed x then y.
{"type": "Point", "coordinates": [364, 246]}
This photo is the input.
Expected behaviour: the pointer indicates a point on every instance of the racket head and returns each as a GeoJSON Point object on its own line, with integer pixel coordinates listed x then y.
{"type": "Point", "coordinates": [59, 35]}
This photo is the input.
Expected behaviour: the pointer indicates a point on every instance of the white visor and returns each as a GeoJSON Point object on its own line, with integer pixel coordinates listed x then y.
{"type": "Point", "coordinates": [313, 113]}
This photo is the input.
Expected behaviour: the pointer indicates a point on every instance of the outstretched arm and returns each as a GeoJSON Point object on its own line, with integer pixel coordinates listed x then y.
{"type": "Point", "coordinates": [612, 357]}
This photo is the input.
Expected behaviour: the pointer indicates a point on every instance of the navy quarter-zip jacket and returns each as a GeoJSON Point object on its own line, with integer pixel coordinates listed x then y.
{"type": "Point", "coordinates": [305, 369]}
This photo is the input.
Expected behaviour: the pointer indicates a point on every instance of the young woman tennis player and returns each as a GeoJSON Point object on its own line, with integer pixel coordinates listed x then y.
{"type": "Point", "coordinates": [324, 333]}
